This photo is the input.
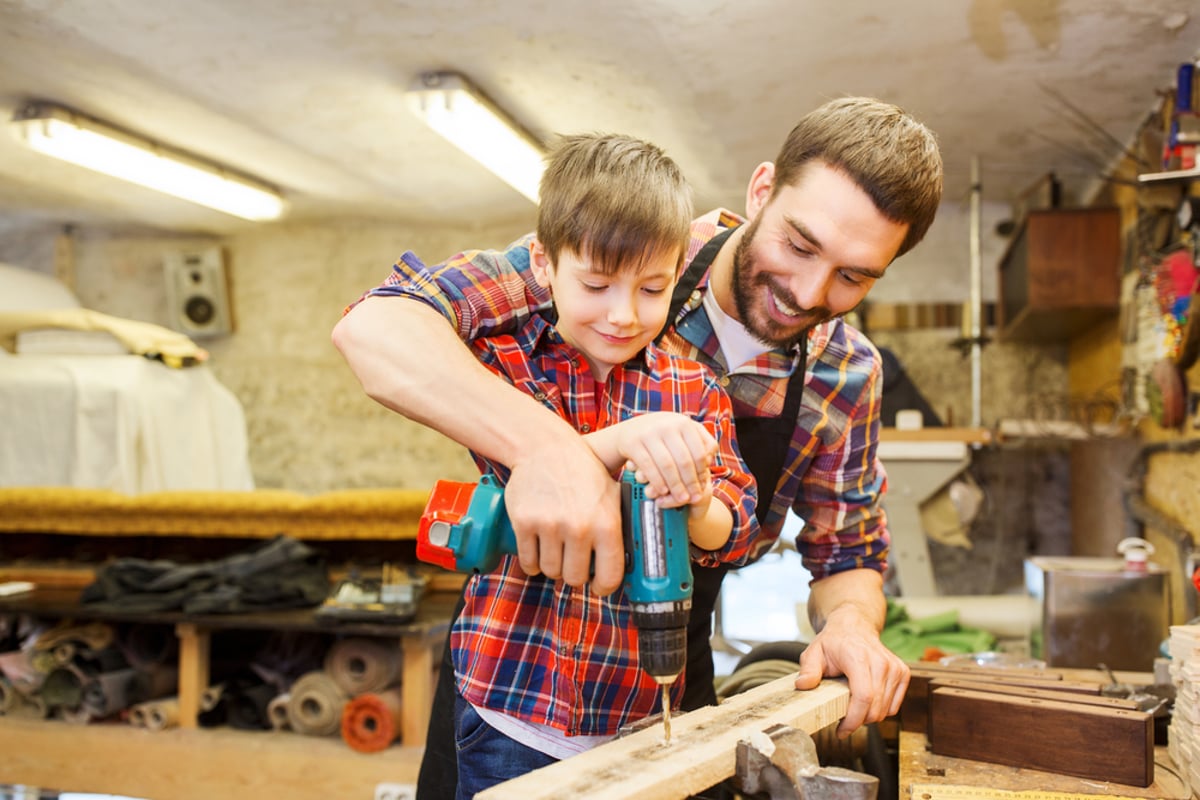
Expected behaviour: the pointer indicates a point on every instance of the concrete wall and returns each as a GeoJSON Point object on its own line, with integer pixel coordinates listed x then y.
{"type": "Point", "coordinates": [311, 428]}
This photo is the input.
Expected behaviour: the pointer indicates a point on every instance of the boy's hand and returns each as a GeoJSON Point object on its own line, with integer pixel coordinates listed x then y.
{"type": "Point", "coordinates": [671, 454]}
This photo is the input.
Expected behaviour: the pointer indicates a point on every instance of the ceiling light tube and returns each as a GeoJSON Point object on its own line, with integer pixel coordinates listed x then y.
{"type": "Point", "coordinates": [449, 104]}
{"type": "Point", "coordinates": [73, 137]}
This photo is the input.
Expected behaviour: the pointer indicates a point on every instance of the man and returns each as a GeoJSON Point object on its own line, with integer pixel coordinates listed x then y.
{"type": "Point", "coordinates": [856, 184]}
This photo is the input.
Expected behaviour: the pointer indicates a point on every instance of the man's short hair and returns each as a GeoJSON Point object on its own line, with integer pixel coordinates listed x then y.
{"type": "Point", "coordinates": [889, 154]}
{"type": "Point", "coordinates": [614, 199]}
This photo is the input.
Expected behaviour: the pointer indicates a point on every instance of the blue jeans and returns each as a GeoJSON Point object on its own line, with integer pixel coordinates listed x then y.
{"type": "Point", "coordinates": [487, 757]}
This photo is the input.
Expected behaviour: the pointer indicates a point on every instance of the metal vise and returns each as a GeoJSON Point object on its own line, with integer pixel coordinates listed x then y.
{"type": "Point", "coordinates": [782, 764]}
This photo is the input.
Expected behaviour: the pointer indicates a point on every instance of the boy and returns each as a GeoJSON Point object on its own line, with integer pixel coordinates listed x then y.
{"type": "Point", "coordinates": [544, 670]}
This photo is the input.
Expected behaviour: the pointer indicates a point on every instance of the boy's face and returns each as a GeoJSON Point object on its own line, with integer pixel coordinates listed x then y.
{"type": "Point", "coordinates": [607, 318]}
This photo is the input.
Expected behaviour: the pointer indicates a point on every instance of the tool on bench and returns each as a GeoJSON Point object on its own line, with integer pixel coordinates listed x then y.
{"type": "Point", "coordinates": [465, 528]}
{"type": "Point", "coordinates": [781, 763]}
{"type": "Point", "coordinates": [393, 597]}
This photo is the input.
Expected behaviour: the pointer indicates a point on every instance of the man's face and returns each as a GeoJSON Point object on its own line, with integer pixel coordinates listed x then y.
{"type": "Point", "coordinates": [608, 318]}
{"type": "Point", "coordinates": [811, 252]}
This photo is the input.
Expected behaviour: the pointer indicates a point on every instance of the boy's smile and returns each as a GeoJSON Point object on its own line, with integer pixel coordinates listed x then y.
{"type": "Point", "coordinates": [609, 319]}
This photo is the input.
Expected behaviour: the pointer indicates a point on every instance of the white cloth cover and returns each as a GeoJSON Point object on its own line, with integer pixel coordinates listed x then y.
{"type": "Point", "coordinates": [118, 422]}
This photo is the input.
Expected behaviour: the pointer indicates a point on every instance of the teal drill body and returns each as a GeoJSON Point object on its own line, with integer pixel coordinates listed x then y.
{"type": "Point", "coordinates": [658, 570]}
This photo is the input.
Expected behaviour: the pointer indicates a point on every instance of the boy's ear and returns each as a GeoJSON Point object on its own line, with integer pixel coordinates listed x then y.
{"type": "Point", "coordinates": [539, 264]}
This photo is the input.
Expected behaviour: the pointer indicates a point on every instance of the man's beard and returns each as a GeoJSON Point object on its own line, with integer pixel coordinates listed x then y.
{"type": "Point", "coordinates": [748, 290]}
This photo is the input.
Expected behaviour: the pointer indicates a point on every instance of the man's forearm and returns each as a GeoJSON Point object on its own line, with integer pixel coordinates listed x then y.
{"type": "Point", "coordinates": [408, 358]}
{"type": "Point", "coordinates": [856, 591]}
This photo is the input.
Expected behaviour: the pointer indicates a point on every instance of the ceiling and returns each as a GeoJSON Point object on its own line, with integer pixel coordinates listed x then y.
{"type": "Point", "coordinates": [308, 94]}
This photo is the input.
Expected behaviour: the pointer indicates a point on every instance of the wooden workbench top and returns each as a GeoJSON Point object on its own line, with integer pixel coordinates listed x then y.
{"type": "Point", "coordinates": [946, 778]}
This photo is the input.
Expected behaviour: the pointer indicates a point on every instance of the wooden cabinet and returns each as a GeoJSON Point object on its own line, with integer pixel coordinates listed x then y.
{"type": "Point", "coordinates": [1061, 274]}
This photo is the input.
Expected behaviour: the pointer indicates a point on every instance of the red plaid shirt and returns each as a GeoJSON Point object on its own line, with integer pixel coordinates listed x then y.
{"type": "Point", "coordinates": [538, 649]}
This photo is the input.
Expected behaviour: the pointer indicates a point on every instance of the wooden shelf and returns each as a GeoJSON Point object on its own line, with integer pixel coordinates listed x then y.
{"type": "Point", "coordinates": [190, 762]}
{"type": "Point", "coordinates": [1061, 274]}
{"type": "Point", "coordinates": [1170, 176]}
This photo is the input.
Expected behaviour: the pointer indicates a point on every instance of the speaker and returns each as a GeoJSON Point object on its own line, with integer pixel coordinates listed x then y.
{"type": "Point", "coordinates": [197, 292]}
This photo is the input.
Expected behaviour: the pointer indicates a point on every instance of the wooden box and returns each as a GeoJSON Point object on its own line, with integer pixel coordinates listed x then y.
{"type": "Point", "coordinates": [1061, 274]}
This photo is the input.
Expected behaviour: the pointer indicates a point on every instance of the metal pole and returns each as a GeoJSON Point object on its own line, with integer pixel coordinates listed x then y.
{"type": "Point", "coordinates": [976, 336]}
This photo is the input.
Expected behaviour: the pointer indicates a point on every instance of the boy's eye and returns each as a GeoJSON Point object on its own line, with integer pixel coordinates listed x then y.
{"type": "Point", "coordinates": [594, 287]}
{"type": "Point", "coordinates": [653, 290]}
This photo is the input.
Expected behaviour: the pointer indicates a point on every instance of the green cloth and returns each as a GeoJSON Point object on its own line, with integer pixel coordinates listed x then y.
{"type": "Point", "coordinates": [909, 638]}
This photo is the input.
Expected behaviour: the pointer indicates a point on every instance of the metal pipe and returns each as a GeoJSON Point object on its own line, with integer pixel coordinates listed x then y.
{"type": "Point", "coordinates": [976, 334]}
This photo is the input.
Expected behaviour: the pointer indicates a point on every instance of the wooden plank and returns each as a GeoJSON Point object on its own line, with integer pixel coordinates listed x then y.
{"type": "Point", "coordinates": [700, 754]}
{"type": "Point", "coordinates": [915, 710]}
{"type": "Point", "coordinates": [195, 647]}
{"type": "Point", "coordinates": [1071, 738]}
{"type": "Point", "coordinates": [1041, 694]}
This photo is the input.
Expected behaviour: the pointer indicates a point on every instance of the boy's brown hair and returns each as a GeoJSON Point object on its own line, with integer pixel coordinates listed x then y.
{"type": "Point", "coordinates": [613, 199]}
{"type": "Point", "coordinates": [889, 154]}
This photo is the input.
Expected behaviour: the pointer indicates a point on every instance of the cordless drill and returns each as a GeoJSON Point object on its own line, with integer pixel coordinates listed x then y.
{"type": "Point", "coordinates": [465, 528]}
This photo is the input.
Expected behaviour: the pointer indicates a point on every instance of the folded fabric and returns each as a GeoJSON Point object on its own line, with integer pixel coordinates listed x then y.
{"type": "Point", "coordinates": [141, 338]}
{"type": "Point", "coordinates": [910, 638]}
{"type": "Point", "coordinates": [282, 573]}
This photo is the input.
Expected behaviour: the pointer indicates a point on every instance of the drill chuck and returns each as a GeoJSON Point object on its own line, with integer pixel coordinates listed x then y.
{"type": "Point", "coordinates": [662, 638]}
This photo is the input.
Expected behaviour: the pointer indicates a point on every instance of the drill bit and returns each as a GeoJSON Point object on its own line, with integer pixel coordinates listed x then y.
{"type": "Point", "coordinates": [666, 713]}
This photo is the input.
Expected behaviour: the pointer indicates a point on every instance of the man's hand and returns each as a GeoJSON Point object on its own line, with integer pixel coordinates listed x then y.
{"type": "Point", "coordinates": [564, 507]}
{"type": "Point", "coordinates": [848, 610]}
{"type": "Point", "coordinates": [561, 500]}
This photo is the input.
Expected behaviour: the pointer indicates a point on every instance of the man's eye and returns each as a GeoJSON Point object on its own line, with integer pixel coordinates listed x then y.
{"type": "Point", "coordinates": [851, 278]}
{"type": "Point", "coordinates": [799, 248]}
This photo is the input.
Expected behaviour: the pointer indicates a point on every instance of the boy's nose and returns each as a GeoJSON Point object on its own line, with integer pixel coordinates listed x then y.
{"type": "Point", "coordinates": [622, 312]}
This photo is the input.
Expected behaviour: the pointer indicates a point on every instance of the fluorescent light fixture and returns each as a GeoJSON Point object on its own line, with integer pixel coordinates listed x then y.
{"type": "Point", "coordinates": [449, 104]}
{"type": "Point", "coordinates": [73, 137]}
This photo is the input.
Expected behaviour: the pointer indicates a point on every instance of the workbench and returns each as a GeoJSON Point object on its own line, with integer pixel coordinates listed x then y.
{"type": "Point", "coordinates": [927, 776]}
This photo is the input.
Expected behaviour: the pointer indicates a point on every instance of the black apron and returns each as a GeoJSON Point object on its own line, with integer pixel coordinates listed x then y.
{"type": "Point", "coordinates": [764, 443]}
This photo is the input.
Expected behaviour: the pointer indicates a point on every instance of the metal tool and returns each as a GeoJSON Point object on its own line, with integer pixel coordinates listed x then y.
{"type": "Point", "coordinates": [465, 528]}
{"type": "Point", "coordinates": [782, 764]}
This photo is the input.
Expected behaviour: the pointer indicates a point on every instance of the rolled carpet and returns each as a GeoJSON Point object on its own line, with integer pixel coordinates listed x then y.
{"type": "Point", "coordinates": [315, 705]}
{"type": "Point", "coordinates": [371, 721]}
{"type": "Point", "coordinates": [156, 715]}
{"type": "Point", "coordinates": [277, 711]}
{"type": "Point", "coordinates": [359, 665]}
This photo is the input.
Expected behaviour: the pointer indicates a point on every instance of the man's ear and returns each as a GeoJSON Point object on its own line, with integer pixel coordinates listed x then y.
{"type": "Point", "coordinates": [539, 264]}
{"type": "Point", "coordinates": [759, 190]}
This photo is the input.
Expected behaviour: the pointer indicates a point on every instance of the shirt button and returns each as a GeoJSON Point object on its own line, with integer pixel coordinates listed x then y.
{"type": "Point", "coordinates": [539, 396]}
{"type": "Point", "coordinates": [585, 427]}
{"type": "Point", "coordinates": [723, 380]}
{"type": "Point", "coordinates": [695, 297]}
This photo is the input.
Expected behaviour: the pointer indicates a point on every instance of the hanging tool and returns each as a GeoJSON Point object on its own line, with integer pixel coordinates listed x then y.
{"type": "Point", "coordinates": [466, 528]}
